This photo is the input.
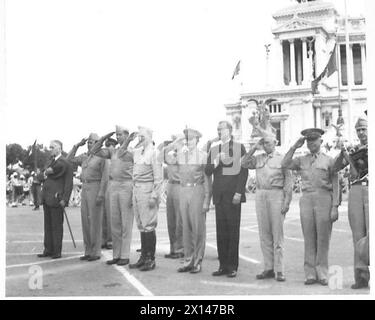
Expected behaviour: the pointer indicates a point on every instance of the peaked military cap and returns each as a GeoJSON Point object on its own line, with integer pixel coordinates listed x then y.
{"type": "Point", "coordinates": [312, 133]}
{"type": "Point", "coordinates": [192, 133]}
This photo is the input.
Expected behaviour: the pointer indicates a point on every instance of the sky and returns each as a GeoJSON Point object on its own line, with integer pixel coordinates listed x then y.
{"type": "Point", "coordinates": [80, 66]}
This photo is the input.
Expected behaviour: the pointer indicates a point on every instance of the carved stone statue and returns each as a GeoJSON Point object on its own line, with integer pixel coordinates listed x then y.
{"type": "Point", "coordinates": [261, 119]}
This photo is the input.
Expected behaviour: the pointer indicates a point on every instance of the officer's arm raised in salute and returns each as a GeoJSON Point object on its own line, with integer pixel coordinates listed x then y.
{"type": "Point", "coordinates": [99, 151]}
{"type": "Point", "coordinates": [288, 161]}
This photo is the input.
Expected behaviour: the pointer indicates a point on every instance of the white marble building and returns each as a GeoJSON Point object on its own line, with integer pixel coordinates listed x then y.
{"type": "Point", "coordinates": [303, 38]}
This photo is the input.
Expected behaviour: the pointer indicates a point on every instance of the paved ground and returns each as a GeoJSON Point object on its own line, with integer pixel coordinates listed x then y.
{"type": "Point", "coordinates": [69, 276]}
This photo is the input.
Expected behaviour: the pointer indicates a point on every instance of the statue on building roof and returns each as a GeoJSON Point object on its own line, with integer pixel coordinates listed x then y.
{"type": "Point", "coordinates": [260, 120]}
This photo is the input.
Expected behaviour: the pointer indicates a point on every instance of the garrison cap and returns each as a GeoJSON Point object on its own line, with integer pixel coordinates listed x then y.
{"type": "Point", "coordinates": [121, 129]}
{"type": "Point", "coordinates": [192, 133]}
{"type": "Point", "coordinates": [145, 132]}
{"type": "Point", "coordinates": [266, 136]}
{"type": "Point", "coordinates": [94, 136]}
{"type": "Point", "coordinates": [312, 133]}
{"type": "Point", "coordinates": [361, 123]}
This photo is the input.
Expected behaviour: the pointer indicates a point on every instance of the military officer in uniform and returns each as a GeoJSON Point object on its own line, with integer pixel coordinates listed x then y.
{"type": "Point", "coordinates": [120, 194]}
{"type": "Point", "coordinates": [195, 197]}
{"type": "Point", "coordinates": [147, 176]}
{"type": "Point", "coordinates": [273, 196]}
{"type": "Point", "coordinates": [107, 232]}
{"type": "Point", "coordinates": [358, 205]}
{"type": "Point", "coordinates": [228, 191]}
{"type": "Point", "coordinates": [174, 219]}
{"type": "Point", "coordinates": [318, 204]}
{"type": "Point", "coordinates": [94, 183]}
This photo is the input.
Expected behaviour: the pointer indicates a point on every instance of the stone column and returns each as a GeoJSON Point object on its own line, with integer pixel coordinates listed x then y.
{"type": "Point", "coordinates": [317, 109]}
{"type": "Point", "coordinates": [363, 64]}
{"type": "Point", "coordinates": [310, 60]}
{"type": "Point", "coordinates": [280, 59]}
{"type": "Point", "coordinates": [349, 61]}
{"type": "Point", "coordinates": [305, 63]}
{"type": "Point", "coordinates": [292, 64]}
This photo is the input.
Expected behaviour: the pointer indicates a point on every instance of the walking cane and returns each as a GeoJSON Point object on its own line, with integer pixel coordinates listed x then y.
{"type": "Point", "coordinates": [67, 221]}
{"type": "Point", "coordinates": [70, 230]}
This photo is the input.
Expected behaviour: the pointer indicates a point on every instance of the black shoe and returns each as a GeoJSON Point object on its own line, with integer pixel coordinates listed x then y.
{"type": "Point", "coordinates": [220, 272]}
{"type": "Point", "coordinates": [93, 258]}
{"type": "Point", "coordinates": [266, 274]}
{"type": "Point", "coordinates": [323, 282]}
{"type": "Point", "coordinates": [309, 282]}
{"type": "Point", "coordinates": [113, 261]}
{"type": "Point", "coordinates": [141, 261]}
{"type": "Point", "coordinates": [184, 269]}
{"type": "Point", "coordinates": [148, 265]}
{"type": "Point", "coordinates": [36, 209]}
{"type": "Point", "coordinates": [85, 257]}
{"type": "Point", "coordinates": [43, 255]}
{"type": "Point", "coordinates": [196, 269]}
{"type": "Point", "coordinates": [122, 262]}
{"type": "Point", "coordinates": [360, 285]}
{"type": "Point", "coordinates": [138, 250]}
{"type": "Point", "coordinates": [232, 274]}
{"type": "Point", "coordinates": [56, 256]}
{"type": "Point", "coordinates": [280, 277]}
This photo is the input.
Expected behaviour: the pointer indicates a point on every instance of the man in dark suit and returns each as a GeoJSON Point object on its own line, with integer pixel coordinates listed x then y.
{"type": "Point", "coordinates": [228, 189]}
{"type": "Point", "coordinates": [55, 197]}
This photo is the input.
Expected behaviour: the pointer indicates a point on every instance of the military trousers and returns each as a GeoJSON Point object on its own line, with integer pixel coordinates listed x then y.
{"type": "Point", "coordinates": [315, 212]}
{"type": "Point", "coordinates": [193, 224]}
{"type": "Point", "coordinates": [145, 217]}
{"type": "Point", "coordinates": [174, 219]}
{"type": "Point", "coordinates": [122, 217]}
{"type": "Point", "coordinates": [268, 205]}
{"type": "Point", "coordinates": [91, 217]}
{"type": "Point", "coordinates": [358, 214]}
{"type": "Point", "coordinates": [107, 232]}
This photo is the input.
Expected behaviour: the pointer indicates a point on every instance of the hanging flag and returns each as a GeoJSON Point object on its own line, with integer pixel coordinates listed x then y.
{"type": "Point", "coordinates": [237, 69]}
{"type": "Point", "coordinates": [31, 150]}
{"type": "Point", "coordinates": [330, 68]}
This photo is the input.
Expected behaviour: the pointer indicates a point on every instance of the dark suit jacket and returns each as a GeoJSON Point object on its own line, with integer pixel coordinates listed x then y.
{"type": "Point", "coordinates": [58, 185]}
{"type": "Point", "coordinates": [229, 177]}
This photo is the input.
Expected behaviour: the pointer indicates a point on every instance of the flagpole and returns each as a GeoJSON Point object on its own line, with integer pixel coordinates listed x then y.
{"type": "Point", "coordinates": [340, 119]}
{"type": "Point", "coordinates": [349, 75]}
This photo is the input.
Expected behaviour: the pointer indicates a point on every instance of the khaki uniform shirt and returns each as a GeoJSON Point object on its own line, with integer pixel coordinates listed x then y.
{"type": "Point", "coordinates": [269, 172]}
{"type": "Point", "coordinates": [317, 173]}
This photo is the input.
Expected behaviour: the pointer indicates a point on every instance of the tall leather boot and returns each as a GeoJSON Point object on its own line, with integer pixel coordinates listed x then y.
{"type": "Point", "coordinates": [142, 258]}
{"type": "Point", "coordinates": [150, 252]}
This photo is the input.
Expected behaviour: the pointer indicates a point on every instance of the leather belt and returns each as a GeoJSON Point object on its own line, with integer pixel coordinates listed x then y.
{"type": "Point", "coordinates": [174, 182]}
{"type": "Point", "coordinates": [119, 180]}
{"type": "Point", "coordinates": [89, 180]}
{"type": "Point", "coordinates": [191, 184]}
{"type": "Point", "coordinates": [272, 188]}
